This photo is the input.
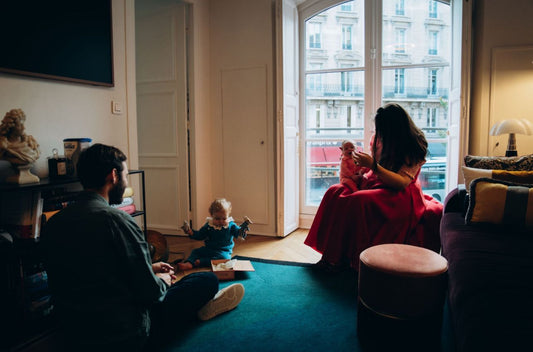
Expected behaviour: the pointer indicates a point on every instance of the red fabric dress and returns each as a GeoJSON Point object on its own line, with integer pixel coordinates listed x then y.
{"type": "Point", "coordinates": [348, 222]}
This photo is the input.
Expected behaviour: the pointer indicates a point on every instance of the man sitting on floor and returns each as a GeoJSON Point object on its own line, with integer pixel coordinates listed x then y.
{"type": "Point", "coordinates": [107, 293]}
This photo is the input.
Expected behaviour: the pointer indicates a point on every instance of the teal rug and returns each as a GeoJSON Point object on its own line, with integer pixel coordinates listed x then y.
{"type": "Point", "coordinates": [286, 307]}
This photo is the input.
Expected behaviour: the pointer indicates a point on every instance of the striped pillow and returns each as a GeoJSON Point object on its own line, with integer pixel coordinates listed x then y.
{"type": "Point", "coordinates": [470, 174]}
{"type": "Point", "coordinates": [500, 202]}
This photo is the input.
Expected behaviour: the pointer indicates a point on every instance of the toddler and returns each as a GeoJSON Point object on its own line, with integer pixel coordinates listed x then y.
{"type": "Point", "coordinates": [217, 234]}
{"type": "Point", "coordinates": [349, 170]}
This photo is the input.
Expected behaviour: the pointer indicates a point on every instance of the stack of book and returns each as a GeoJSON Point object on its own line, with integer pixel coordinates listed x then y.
{"type": "Point", "coordinates": [37, 295]}
{"type": "Point", "coordinates": [54, 201]}
{"type": "Point", "coordinates": [127, 204]}
{"type": "Point", "coordinates": [21, 216]}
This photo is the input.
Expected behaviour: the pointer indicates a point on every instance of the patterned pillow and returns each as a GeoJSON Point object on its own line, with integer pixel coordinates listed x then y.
{"type": "Point", "coordinates": [514, 163]}
{"type": "Point", "coordinates": [500, 202]}
{"type": "Point", "coordinates": [470, 174]}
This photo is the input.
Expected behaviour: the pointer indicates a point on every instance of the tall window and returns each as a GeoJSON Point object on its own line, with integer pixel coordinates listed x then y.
{"type": "Point", "coordinates": [431, 120]}
{"type": "Point", "coordinates": [348, 82]}
{"type": "Point", "coordinates": [400, 7]}
{"type": "Point", "coordinates": [433, 42]}
{"type": "Point", "coordinates": [399, 81]}
{"type": "Point", "coordinates": [400, 40]}
{"type": "Point", "coordinates": [347, 37]}
{"type": "Point", "coordinates": [432, 82]}
{"type": "Point", "coordinates": [314, 82]}
{"type": "Point", "coordinates": [347, 6]}
{"type": "Point", "coordinates": [314, 36]}
{"type": "Point", "coordinates": [433, 9]}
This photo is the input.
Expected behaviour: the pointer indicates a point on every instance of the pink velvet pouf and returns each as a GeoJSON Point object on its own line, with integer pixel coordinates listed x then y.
{"type": "Point", "coordinates": [401, 298]}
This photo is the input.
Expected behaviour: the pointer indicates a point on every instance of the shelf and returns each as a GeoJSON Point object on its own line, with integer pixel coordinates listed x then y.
{"type": "Point", "coordinates": [23, 255]}
{"type": "Point", "coordinates": [43, 184]}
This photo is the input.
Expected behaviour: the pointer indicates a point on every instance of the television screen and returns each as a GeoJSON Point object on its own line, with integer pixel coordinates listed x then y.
{"type": "Point", "coordinates": [60, 39]}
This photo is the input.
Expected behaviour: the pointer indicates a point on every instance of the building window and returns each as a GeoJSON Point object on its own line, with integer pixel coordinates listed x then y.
{"type": "Point", "coordinates": [314, 81]}
{"type": "Point", "coordinates": [349, 119]}
{"type": "Point", "coordinates": [347, 37]}
{"type": "Point", "coordinates": [400, 8]}
{"type": "Point", "coordinates": [399, 81]}
{"type": "Point", "coordinates": [432, 87]}
{"type": "Point", "coordinates": [313, 30]}
{"type": "Point", "coordinates": [347, 6]}
{"type": "Point", "coordinates": [433, 42]}
{"type": "Point", "coordinates": [433, 9]}
{"type": "Point", "coordinates": [317, 119]}
{"type": "Point", "coordinates": [400, 41]}
{"type": "Point", "coordinates": [431, 119]}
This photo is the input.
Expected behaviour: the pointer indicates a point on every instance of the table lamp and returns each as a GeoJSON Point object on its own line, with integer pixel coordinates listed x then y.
{"type": "Point", "coordinates": [512, 126]}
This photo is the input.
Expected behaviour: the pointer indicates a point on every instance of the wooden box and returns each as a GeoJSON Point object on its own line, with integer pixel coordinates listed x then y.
{"type": "Point", "coordinates": [229, 274]}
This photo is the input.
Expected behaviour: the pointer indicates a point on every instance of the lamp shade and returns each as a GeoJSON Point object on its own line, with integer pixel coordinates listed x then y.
{"type": "Point", "coordinates": [516, 126]}
{"type": "Point", "coordinates": [512, 127]}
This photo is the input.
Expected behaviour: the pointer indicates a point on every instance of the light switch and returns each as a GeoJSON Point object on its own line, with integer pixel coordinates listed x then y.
{"type": "Point", "coordinates": [116, 107]}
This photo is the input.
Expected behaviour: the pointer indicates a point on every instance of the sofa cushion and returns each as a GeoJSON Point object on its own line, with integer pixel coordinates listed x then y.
{"type": "Point", "coordinates": [500, 202]}
{"type": "Point", "coordinates": [515, 163]}
{"type": "Point", "coordinates": [470, 174]}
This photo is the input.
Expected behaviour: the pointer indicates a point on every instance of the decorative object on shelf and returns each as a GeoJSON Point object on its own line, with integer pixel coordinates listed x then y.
{"type": "Point", "coordinates": [20, 149]}
{"type": "Point", "coordinates": [57, 165]}
{"type": "Point", "coordinates": [73, 147]}
{"type": "Point", "coordinates": [158, 246]}
{"type": "Point", "coordinates": [513, 127]}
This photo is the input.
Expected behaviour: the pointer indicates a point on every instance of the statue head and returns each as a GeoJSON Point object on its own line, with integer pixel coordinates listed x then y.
{"type": "Point", "coordinates": [15, 146]}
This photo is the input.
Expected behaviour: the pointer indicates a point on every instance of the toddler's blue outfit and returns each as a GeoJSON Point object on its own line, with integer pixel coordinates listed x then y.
{"type": "Point", "coordinates": [218, 242]}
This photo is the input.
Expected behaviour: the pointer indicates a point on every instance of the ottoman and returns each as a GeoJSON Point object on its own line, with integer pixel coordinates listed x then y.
{"type": "Point", "coordinates": [401, 297]}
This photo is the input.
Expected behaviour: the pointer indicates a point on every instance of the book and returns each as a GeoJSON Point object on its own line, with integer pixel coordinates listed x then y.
{"type": "Point", "coordinates": [21, 215]}
{"type": "Point", "coordinates": [128, 192]}
{"type": "Point", "coordinates": [130, 209]}
{"type": "Point", "coordinates": [125, 201]}
{"type": "Point", "coordinates": [36, 216]}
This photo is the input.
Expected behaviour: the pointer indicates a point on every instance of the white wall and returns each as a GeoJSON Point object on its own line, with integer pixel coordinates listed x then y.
{"type": "Point", "coordinates": [495, 25]}
{"type": "Point", "coordinates": [200, 112]}
{"type": "Point", "coordinates": [56, 110]}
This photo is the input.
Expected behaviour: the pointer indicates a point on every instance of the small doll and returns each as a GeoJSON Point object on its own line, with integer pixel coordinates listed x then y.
{"type": "Point", "coordinates": [349, 171]}
{"type": "Point", "coordinates": [217, 233]}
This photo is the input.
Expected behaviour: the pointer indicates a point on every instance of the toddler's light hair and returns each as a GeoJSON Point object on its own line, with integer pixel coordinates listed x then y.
{"type": "Point", "coordinates": [220, 204]}
{"type": "Point", "coordinates": [344, 142]}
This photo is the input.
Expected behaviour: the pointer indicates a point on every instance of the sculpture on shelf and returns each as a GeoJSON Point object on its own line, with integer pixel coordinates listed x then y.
{"type": "Point", "coordinates": [20, 149]}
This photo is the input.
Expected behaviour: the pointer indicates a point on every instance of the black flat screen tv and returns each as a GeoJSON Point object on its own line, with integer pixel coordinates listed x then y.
{"type": "Point", "coordinates": [62, 40]}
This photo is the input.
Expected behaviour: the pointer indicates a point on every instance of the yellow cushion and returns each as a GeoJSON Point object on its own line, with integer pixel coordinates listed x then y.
{"type": "Point", "coordinates": [500, 202]}
{"type": "Point", "coordinates": [470, 174]}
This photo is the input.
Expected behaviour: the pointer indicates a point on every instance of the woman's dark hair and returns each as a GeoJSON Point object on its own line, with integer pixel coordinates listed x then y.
{"type": "Point", "coordinates": [402, 141]}
{"type": "Point", "coordinates": [96, 162]}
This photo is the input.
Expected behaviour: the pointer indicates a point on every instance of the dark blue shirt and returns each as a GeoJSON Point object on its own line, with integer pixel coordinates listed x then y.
{"type": "Point", "coordinates": [99, 269]}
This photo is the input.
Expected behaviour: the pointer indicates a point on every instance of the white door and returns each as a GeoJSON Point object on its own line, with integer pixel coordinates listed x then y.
{"type": "Point", "coordinates": [459, 92]}
{"type": "Point", "coordinates": [162, 112]}
{"type": "Point", "coordinates": [288, 116]}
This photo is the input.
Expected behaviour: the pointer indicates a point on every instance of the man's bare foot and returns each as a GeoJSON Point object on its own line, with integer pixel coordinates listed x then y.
{"type": "Point", "coordinates": [185, 266]}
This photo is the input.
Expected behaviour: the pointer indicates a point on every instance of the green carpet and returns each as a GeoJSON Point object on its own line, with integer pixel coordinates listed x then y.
{"type": "Point", "coordinates": [286, 307]}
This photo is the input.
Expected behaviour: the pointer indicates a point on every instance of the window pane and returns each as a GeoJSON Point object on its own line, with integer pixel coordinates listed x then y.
{"type": "Point", "coordinates": [420, 34]}
{"type": "Point", "coordinates": [334, 112]}
{"type": "Point", "coordinates": [426, 99]}
{"type": "Point", "coordinates": [334, 105]}
{"type": "Point", "coordinates": [322, 168]}
{"type": "Point", "coordinates": [336, 36]}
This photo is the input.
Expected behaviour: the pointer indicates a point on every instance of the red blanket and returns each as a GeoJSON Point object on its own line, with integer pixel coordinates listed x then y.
{"type": "Point", "coordinates": [347, 222]}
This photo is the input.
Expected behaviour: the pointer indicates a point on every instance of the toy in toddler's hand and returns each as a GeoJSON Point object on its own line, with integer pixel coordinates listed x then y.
{"type": "Point", "coordinates": [245, 227]}
{"type": "Point", "coordinates": [185, 227]}
{"type": "Point", "coordinates": [350, 171]}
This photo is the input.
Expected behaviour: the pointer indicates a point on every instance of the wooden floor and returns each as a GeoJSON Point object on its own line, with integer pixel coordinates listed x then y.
{"type": "Point", "coordinates": [290, 248]}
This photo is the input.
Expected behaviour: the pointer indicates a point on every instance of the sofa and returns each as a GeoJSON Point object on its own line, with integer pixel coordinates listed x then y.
{"type": "Point", "coordinates": [490, 263]}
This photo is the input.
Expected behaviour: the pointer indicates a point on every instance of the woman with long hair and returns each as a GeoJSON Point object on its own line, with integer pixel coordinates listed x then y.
{"type": "Point", "coordinates": [389, 206]}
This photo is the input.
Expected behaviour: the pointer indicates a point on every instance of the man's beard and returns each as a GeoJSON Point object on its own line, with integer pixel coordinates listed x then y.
{"type": "Point", "coordinates": [116, 193]}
